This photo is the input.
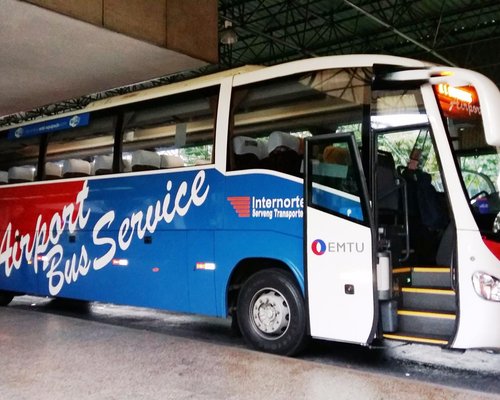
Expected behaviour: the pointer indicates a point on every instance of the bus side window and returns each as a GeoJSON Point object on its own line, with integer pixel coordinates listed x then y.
{"type": "Point", "coordinates": [18, 158]}
{"type": "Point", "coordinates": [78, 152]}
{"type": "Point", "coordinates": [337, 166]}
{"type": "Point", "coordinates": [288, 109]}
{"type": "Point", "coordinates": [172, 131]}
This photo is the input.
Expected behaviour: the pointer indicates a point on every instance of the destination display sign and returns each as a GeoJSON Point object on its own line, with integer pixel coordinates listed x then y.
{"type": "Point", "coordinates": [53, 125]}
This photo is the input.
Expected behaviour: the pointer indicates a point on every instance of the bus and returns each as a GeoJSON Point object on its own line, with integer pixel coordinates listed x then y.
{"type": "Point", "coordinates": [345, 198]}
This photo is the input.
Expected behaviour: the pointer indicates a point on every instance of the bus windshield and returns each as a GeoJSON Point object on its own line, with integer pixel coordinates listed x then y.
{"type": "Point", "coordinates": [478, 161]}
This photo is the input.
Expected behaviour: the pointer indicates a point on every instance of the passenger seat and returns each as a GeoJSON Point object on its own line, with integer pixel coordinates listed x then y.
{"type": "Point", "coordinates": [248, 152]}
{"type": "Point", "coordinates": [144, 160]}
{"type": "Point", "coordinates": [4, 177]}
{"type": "Point", "coordinates": [170, 161]}
{"type": "Point", "coordinates": [76, 168]}
{"type": "Point", "coordinates": [21, 174]}
{"type": "Point", "coordinates": [283, 153]}
{"type": "Point", "coordinates": [103, 164]}
{"type": "Point", "coordinates": [53, 171]}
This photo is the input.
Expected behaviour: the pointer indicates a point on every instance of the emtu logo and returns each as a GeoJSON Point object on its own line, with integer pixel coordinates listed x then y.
{"type": "Point", "coordinates": [241, 205]}
{"type": "Point", "coordinates": [318, 247]}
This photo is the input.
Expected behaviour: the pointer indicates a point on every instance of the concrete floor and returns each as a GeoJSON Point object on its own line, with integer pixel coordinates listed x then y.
{"type": "Point", "coordinates": [46, 356]}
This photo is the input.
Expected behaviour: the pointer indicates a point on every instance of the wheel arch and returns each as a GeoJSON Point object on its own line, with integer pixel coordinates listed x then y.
{"type": "Point", "coordinates": [249, 266]}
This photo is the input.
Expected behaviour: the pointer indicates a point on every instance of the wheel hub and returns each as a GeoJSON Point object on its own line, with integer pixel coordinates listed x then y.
{"type": "Point", "coordinates": [271, 314]}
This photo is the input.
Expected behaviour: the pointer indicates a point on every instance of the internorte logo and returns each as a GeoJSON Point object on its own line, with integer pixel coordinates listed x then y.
{"type": "Point", "coordinates": [241, 205]}
{"type": "Point", "coordinates": [320, 247]}
{"type": "Point", "coordinates": [267, 207]}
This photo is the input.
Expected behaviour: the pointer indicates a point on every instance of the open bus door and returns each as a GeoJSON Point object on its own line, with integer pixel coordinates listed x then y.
{"type": "Point", "coordinates": [340, 276]}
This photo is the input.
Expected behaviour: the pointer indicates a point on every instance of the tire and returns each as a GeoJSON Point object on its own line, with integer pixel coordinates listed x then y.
{"type": "Point", "coordinates": [271, 313]}
{"type": "Point", "coordinates": [5, 298]}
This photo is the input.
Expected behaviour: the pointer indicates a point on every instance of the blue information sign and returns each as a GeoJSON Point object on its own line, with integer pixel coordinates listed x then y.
{"type": "Point", "coordinates": [53, 125]}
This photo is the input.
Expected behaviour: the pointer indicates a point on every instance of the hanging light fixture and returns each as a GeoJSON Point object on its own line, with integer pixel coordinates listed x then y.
{"type": "Point", "coordinates": [228, 35]}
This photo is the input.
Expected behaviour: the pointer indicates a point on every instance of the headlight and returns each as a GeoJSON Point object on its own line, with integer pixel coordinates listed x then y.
{"type": "Point", "coordinates": [486, 286]}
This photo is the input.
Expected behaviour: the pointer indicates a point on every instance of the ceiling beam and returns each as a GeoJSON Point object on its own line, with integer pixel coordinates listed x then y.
{"type": "Point", "coordinates": [399, 33]}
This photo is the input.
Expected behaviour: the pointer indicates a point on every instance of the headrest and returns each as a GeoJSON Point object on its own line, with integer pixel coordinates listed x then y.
{"type": "Point", "coordinates": [169, 161]}
{"type": "Point", "coordinates": [247, 145]}
{"type": "Point", "coordinates": [76, 166]}
{"type": "Point", "coordinates": [336, 155]}
{"type": "Point", "coordinates": [146, 158]}
{"type": "Point", "coordinates": [4, 177]}
{"type": "Point", "coordinates": [127, 165]}
{"type": "Point", "coordinates": [25, 173]}
{"type": "Point", "coordinates": [282, 139]}
{"type": "Point", "coordinates": [53, 169]}
{"type": "Point", "coordinates": [104, 162]}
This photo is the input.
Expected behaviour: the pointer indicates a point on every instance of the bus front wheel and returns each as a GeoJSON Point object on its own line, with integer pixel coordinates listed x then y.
{"type": "Point", "coordinates": [271, 312]}
{"type": "Point", "coordinates": [5, 298]}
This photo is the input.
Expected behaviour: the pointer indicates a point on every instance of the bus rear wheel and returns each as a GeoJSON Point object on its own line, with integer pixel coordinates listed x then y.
{"type": "Point", "coordinates": [271, 313]}
{"type": "Point", "coordinates": [5, 298]}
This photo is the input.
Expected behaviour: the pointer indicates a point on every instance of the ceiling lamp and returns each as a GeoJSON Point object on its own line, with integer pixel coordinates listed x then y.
{"type": "Point", "coordinates": [228, 35]}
